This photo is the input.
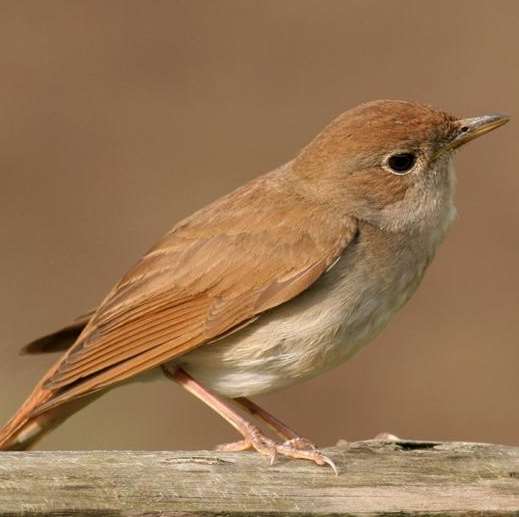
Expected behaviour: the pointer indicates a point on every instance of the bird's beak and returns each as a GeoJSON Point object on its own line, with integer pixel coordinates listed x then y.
{"type": "Point", "coordinates": [470, 128]}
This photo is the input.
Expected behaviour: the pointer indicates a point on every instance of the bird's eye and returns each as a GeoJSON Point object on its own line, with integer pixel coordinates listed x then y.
{"type": "Point", "coordinates": [401, 163]}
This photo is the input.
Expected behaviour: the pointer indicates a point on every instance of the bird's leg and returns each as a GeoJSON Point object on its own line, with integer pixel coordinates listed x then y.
{"type": "Point", "coordinates": [252, 435]}
{"type": "Point", "coordinates": [291, 437]}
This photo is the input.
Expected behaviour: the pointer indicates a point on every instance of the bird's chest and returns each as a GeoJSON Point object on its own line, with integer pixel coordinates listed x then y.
{"type": "Point", "coordinates": [353, 303]}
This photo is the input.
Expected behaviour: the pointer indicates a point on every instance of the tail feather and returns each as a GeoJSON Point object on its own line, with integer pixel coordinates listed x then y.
{"type": "Point", "coordinates": [24, 430]}
{"type": "Point", "coordinates": [27, 425]}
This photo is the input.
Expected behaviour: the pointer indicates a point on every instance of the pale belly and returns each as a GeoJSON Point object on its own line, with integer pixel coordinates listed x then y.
{"type": "Point", "coordinates": [316, 331]}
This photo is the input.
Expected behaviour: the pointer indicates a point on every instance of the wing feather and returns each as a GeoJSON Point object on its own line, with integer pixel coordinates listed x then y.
{"type": "Point", "coordinates": [221, 268]}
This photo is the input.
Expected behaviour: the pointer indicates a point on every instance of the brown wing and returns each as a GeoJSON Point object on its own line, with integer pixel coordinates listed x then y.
{"type": "Point", "coordinates": [225, 265]}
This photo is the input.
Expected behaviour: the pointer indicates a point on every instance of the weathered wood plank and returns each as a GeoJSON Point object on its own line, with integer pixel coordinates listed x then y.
{"type": "Point", "coordinates": [375, 477]}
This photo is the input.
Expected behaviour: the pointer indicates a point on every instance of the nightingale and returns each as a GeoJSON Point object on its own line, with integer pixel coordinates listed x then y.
{"type": "Point", "coordinates": [274, 283]}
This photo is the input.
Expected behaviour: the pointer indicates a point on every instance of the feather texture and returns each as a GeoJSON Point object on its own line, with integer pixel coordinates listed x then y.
{"type": "Point", "coordinates": [217, 270]}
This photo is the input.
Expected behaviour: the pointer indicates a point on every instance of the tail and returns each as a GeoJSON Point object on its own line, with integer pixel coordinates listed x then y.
{"type": "Point", "coordinates": [27, 426]}
{"type": "Point", "coordinates": [23, 430]}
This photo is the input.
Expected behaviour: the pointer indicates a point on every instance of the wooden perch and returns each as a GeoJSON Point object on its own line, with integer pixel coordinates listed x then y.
{"type": "Point", "coordinates": [375, 478]}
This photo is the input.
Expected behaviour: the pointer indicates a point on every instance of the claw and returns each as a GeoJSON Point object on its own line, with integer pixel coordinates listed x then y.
{"type": "Point", "coordinates": [330, 462]}
{"type": "Point", "coordinates": [307, 454]}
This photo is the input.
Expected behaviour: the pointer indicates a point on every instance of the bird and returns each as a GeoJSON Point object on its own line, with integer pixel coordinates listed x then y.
{"type": "Point", "coordinates": [274, 283]}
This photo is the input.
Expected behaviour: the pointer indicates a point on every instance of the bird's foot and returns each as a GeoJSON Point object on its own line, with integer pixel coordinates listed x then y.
{"type": "Point", "coordinates": [297, 448]}
{"type": "Point", "coordinates": [304, 450]}
{"type": "Point", "coordinates": [253, 439]}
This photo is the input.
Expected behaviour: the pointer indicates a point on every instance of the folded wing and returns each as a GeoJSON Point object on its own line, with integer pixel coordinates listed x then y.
{"type": "Point", "coordinates": [216, 270]}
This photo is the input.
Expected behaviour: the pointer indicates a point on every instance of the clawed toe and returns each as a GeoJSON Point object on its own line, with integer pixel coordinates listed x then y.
{"type": "Point", "coordinates": [298, 448]}
{"type": "Point", "coordinates": [263, 445]}
{"type": "Point", "coordinates": [311, 454]}
{"type": "Point", "coordinates": [254, 440]}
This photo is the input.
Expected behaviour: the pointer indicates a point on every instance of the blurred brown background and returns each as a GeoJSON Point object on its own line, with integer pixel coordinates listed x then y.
{"type": "Point", "coordinates": [119, 118]}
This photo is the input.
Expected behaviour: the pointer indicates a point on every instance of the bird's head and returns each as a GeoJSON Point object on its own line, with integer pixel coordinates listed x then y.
{"type": "Point", "coordinates": [390, 162]}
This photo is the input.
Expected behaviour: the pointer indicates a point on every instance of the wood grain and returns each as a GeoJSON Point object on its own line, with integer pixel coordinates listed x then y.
{"type": "Point", "coordinates": [376, 478]}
